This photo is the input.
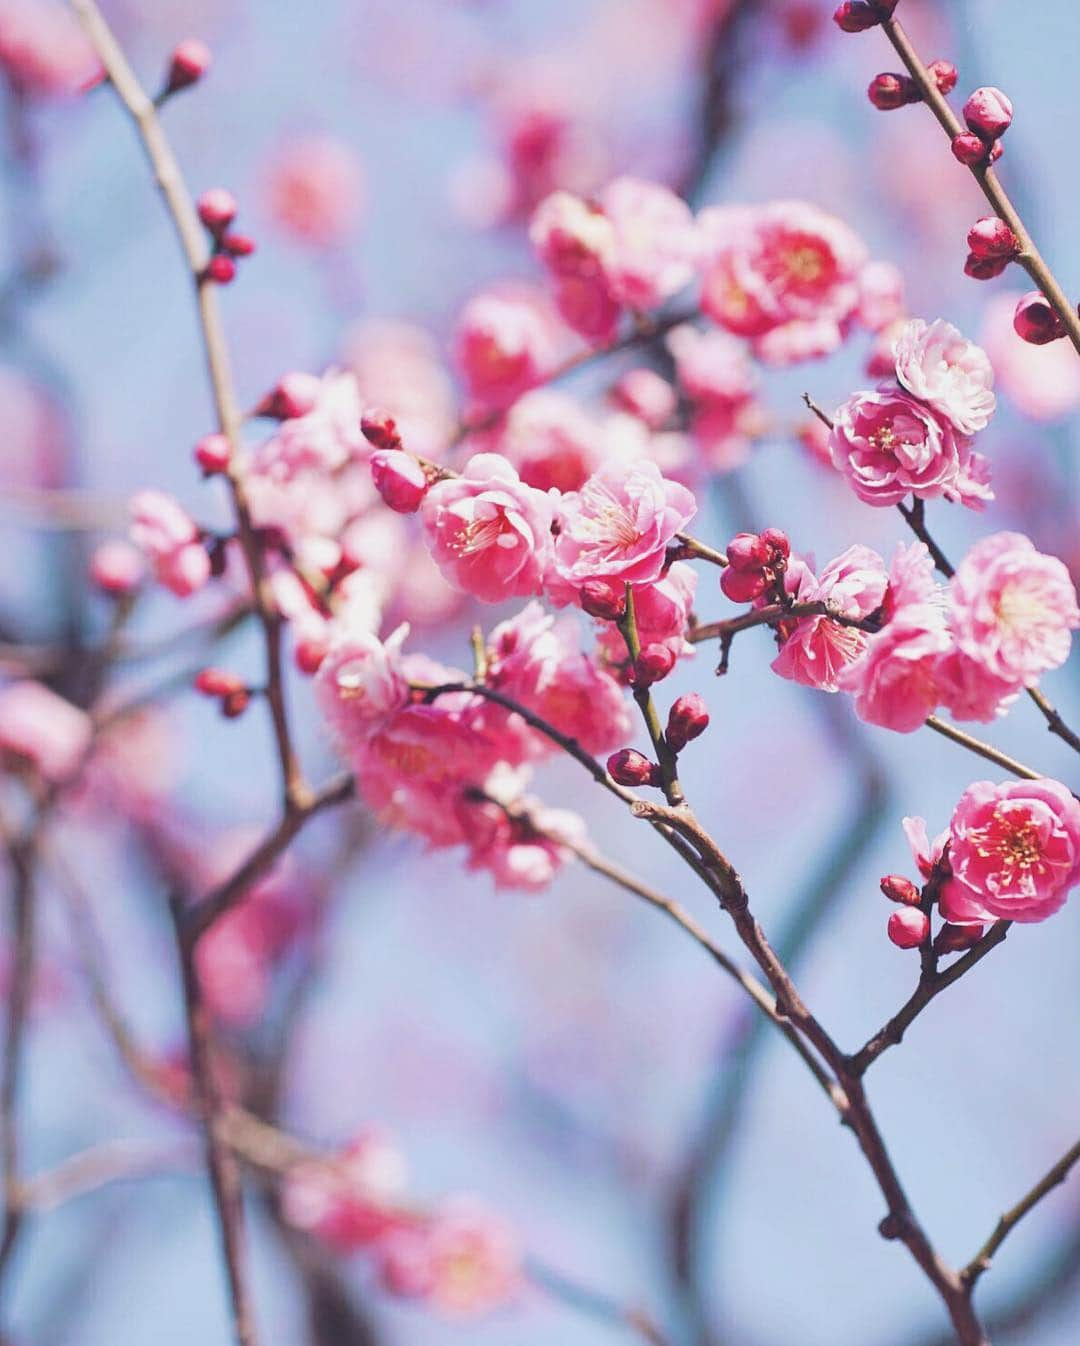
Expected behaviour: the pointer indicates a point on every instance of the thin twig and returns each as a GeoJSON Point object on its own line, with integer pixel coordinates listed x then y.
{"type": "Point", "coordinates": [982, 749]}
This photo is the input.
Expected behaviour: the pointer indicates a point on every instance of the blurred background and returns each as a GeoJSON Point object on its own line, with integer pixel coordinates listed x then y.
{"type": "Point", "coordinates": [567, 1057]}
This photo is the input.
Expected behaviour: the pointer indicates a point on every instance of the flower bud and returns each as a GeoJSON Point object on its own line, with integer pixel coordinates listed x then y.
{"type": "Point", "coordinates": [294, 394]}
{"type": "Point", "coordinates": [991, 237]}
{"type": "Point", "coordinates": [217, 209]}
{"type": "Point", "coordinates": [778, 544]}
{"type": "Point", "coordinates": [989, 113]}
{"type": "Point", "coordinates": [743, 586]}
{"type": "Point", "coordinates": [218, 682]}
{"type": "Point", "coordinates": [235, 703]}
{"type": "Point", "coordinates": [944, 74]}
{"type": "Point", "coordinates": [688, 719]}
{"type": "Point", "coordinates": [399, 479]}
{"type": "Point", "coordinates": [1036, 321]}
{"type": "Point", "coordinates": [309, 653]}
{"type": "Point", "coordinates": [238, 245]}
{"type": "Point", "coordinates": [888, 91]}
{"type": "Point", "coordinates": [212, 453]}
{"type": "Point", "coordinates": [117, 568]}
{"type": "Point", "coordinates": [908, 927]}
{"type": "Point", "coordinates": [220, 269]}
{"type": "Point", "coordinates": [630, 767]}
{"type": "Point", "coordinates": [970, 149]}
{"type": "Point", "coordinates": [653, 664]}
{"type": "Point", "coordinates": [985, 268]}
{"type": "Point", "coordinates": [747, 552]}
{"type": "Point", "coordinates": [898, 889]}
{"type": "Point", "coordinates": [603, 600]}
{"type": "Point", "coordinates": [379, 428]}
{"type": "Point", "coordinates": [856, 16]}
{"type": "Point", "coordinates": [954, 938]}
{"type": "Point", "coordinates": [190, 60]}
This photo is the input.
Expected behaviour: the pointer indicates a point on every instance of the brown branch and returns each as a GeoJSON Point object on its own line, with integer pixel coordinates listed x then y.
{"type": "Point", "coordinates": [1029, 258]}
{"type": "Point", "coordinates": [1057, 1175]}
{"type": "Point", "coordinates": [981, 749]}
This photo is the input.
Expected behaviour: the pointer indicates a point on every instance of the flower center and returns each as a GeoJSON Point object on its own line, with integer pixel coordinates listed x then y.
{"type": "Point", "coordinates": [885, 439]}
{"type": "Point", "coordinates": [1015, 842]}
{"type": "Point", "coordinates": [480, 534]}
{"type": "Point", "coordinates": [804, 263]}
{"type": "Point", "coordinates": [1021, 609]}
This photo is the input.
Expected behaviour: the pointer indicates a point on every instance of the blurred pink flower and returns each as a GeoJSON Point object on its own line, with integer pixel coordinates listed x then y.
{"type": "Point", "coordinates": [315, 190]}
{"type": "Point", "coordinates": [349, 1200]}
{"type": "Point", "coordinates": [164, 530]}
{"type": "Point", "coordinates": [654, 246]}
{"type": "Point", "coordinates": [43, 51]}
{"type": "Point", "coordinates": [42, 728]}
{"type": "Point", "coordinates": [503, 345]}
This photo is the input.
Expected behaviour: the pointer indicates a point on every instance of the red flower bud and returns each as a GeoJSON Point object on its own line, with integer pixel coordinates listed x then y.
{"type": "Point", "coordinates": [778, 544]}
{"type": "Point", "coordinates": [743, 586]}
{"type": "Point", "coordinates": [888, 91]}
{"type": "Point", "coordinates": [309, 653]}
{"type": "Point", "coordinates": [399, 479]}
{"type": "Point", "coordinates": [117, 568]}
{"type": "Point", "coordinates": [991, 237]}
{"type": "Point", "coordinates": [898, 889]}
{"type": "Point", "coordinates": [212, 453]}
{"type": "Point", "coordinates": [1035, 321]}
{"type": "Point", "coordinates": [953, 938]}
{"type": "Point", "coordinates": [238, 245]}
{"type": "Point", "coordinates": [856, 16]}
{"type": "Point", "coordinates": [944, 74]}
{"type": "Point", "coordinates": [235, 703]}
{"type": "Point", "coordinates": [653, 664]}
{"type": "Point", "coordinates": [630, 767]}
{"type": "Point", "coordinates": [217, 209]}
{"type": "Point", "coordinates": [221, 269]}
{"type": "Point", "coordinates": [294, 394]}
{"type": "Point", "coordinates": [602, 600]}
{"type": "Point", "coordinates": [908, 927]}
{"type": "Point", "coordinates": [989, 113]}
{"type": "Point", "coordinates": [985, 268]}
{"type": "Point", "coordinates": [190, 60]}
{"type": "Point", "coordinates": [218, 682]}
{"type": "Point", "coordinates": [970, 149]}
{"type": "Point", "coordinates": [379, 428]}
{"type": "Point", "coordinates": [747, 552]}
{"type": "Point", "coordinates": [688, 719]}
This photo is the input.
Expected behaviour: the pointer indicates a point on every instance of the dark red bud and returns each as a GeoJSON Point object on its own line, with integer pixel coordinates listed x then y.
{"type": "Point", "coordinates": [991, 237]}
{"type": "Point", "coordinates": [235, 703]}
{"type": "Point", "coordinates": [888, 91]}
{"type": "Point", "coordinates": [1035, 321]}
{"type": "Point", "coordinates": [221, 269]}
{"type": "Point", "coordinates": [217, 209]}
{"type": "Point", "coordinates": [309, 654]}
{"type": "Point", "coordinates": [238, 245]}
{"type": "Point", "coordinates": [743, 586]}
{"type": "Point", "coordinates": [190, 60]}
{"type": "Point", "coordinates": [985, 268]}
{"type": "Point", "coordinates": [379, 428]}
{"type": "Point", "coordinates": [856, 16]}
{"type": "Point", "coordinates": [954, 938]}
{"type": "Point", "coordinates": [687, 720]}
{"type": "Point", "coordinates": [653, 664]}
{"type": "Point", "coordinates": [218, 682]}
{"type": "Point", "coordinates": [944, 74]}
{"type": "Point", "coordinates": [898, 889]}
{"type": "Point", "coordinates": [604, 601]}
{"type": "Point", "coordinates": [630, 767]}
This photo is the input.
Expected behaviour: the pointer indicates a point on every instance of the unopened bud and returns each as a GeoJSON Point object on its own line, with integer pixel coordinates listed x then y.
{"type": "Point", "coordinates": [399, 479]}
{"type": "Point", "coordinates": [221, 269]}
{"type": "Point", "coordinates": [688, 719]}
{"type": "Point", "coordinates": [379, 428]}
{"type": "Point", "coordinates": [212, 453]}
{"type": "Point", "coordinates": [954, 938]}
{"type": "Point", "coordinates": [238, 245]}
{"type": "Point", "coordinates": [888, 91]}
{"type": "Point", "coordinates": [630, 767]}
{"type": "Point", "coordinates": [991, 237]}
{"type": "Point", "coordinates": [985, 268]}
{"type": "Point", "coordinates": [607, 602]}
{"type": "Point", "coordinates": [1036, 321]}
{"type": "Point", "coordinates": [898, 889]}
{"type": "Point", "coordinates": [190, 60]}
{"type": "Point", "coordinates": [908, 927]}
{"type": "Point", "coordinates": [653, 664]}
{"type": "Point", "coordinates": [217, 209]}
{"type": "Point", "coordinates": [235, 703]}
{"type": "Point", "coordinates": [743, 586]}
{"type": "Point", "coordinates": [970, 149]}
{"type": "Point", "coordinates": [856, 16]}
{"type": "Point", "coordinates": [309, 653]}
{"type": "Point", "coordinates": [117, 568]}
{"type": "Point", "coordinates": [294, 394]}
{"type": "Point", "coordinates": [944, 74]}
{"type": "Point", "coordinates": [748, 552]}
{"type": "Point", "coordinates": [778, 544]}
{"type": "Point", "coordinates": [989, 113]}
{"type": "Point", "coordinates": [218, 682]}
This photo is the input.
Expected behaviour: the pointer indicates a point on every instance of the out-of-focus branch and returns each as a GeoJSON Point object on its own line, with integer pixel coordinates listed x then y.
{"type": "Point", "coordinates": [594, 1304]}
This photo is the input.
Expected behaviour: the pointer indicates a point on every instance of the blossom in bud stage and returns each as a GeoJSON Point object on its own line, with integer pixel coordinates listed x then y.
{"type": "Point", "coordinates": [218, 682]}
{"type": "Point", "coordinates": [898, 889]}
{"type": "Point", "coordinates": [938, 365]}
{"type": "Point", "coordinates": [488, 532]}
{"type": "Point", "coordinates": [117, 567]}
{"type": "Point", "coordinates": [688, 719]}
{"type": "Point", "coordinates": [221, 269]}
{"type": "Point", "coordinates": [295, 394]}
{"type": "Point", "coordinates": [653, 664]}
{"type": "Point", "coordinates": [754, 561]}
{"type": "Point", "coordinates": [985, 268]}
{"type": "Point", "coordinates": [309, 653]}
{"type": "Point", "coordinates": [954, 938]}
{"type": "Point", "coordinates": [166, 533]}
{"type": "Point", "coordinates": [212, 453]}
{"type": "Point", "coordinates": [39, 727]}
{"type": "Point", "coordinates": [1035, 320]}
{"type": "Point", "coordinates": [630, 767]}
{"type": "Point", "coordinates": [1014, 850]}
{"type": "Point", "coordinates": [888, 91]}
{"type": "Point", "coordinates": [380, 429]}
{"type": "Point", "coordinates": [748, 551]}
{"type": "Point", "coordinates": [238, 245]}
{"type": "Point", "coordinates": [988, 113]}
{"type": "Point", "coordinates": [972, 150]}
{"type": "Point", "coordinates": [399, 479]}
{"type": "Point", "coordinates": [908, 927]}
{"type": "Point", "coordinates": [233, 704]}
{"type": "Point", "coordinates": [856, 16]}
{"type": "Point", "coordinates": [190, 60]}
{"type": "Point", "coordinates": [944, 74]}
{"type": "Point", "coordinates": [743, 586]}
{"type": "Point", "coordinates": [217, 209]}
{"type": "Point", "coordinates": [991, 237]}
{"type": "Point", "coordinates": [606, 602]}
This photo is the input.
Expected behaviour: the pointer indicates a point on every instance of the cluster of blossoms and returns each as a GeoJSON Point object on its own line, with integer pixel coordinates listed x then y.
{"type": "Point", "coordinates": [458, 1258]}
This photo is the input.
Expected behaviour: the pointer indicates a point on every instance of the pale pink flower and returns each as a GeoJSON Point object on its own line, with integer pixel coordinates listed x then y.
{"type": "Point", "coordinates": [551, 439]}
{"type": "Point", "coordinates": [1012, 608]}
{"type": "Point", "coordinates": [315, 190]}
{"type": "Point", "coordinates": [889, 445]}
{"type": "Point", "coordinates": [503, 345]}
{"type": "Point", "coordinates": [326, 438]}
{"type": "Point", "coordinates": [654, 244]}
{"type": "Point", "coordinates": [463, 1261]}
{"type": "Point", "coordinates": [911, 579]}
{"type": "Point", "coordinates": [360, 684]}
{"type": "Point", "coordinates": [349, 1200]}
{"type": "Point", "coordinates": [1015, 847]}
{"type": "Point", "coordinates": [894, 681]}
{"type": "Point", "coordinates": [881, 295]}
{"type": "Point", "coordinates": [164, 530]}
{"type": "Point", "coordinates": [647, 395]}
{"type": "Point", "coordinates": [947, 372]}
{"type": "Point", "coordinates": [619, 525]}
{"type": "Point", "coordinates": [571, 237]}
{"type": "Point", "coordinates": [43, 51]}
{"type": "Point", "coordinates": [487, 531]}
{"type": "Point", "coordinates": [39, 727]}
{"type": "Point", "coordinates": [522, 846]}
{"type": "Point", "coordinates": [969, 691]}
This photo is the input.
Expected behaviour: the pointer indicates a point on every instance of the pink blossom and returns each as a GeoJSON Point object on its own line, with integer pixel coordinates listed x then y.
{"type": "Point", "coordinates": [503, 345]}
{"type": "Point", "coordinates": [947, 372]}
{"type": "Point", "coordinates": [43, 51]}
{"type": "Point", "coordinates": [618, 526]}
{"type": "Point", "coordinates": [719, 380]}
{"type": "Point", "coordinates": [523, 846]}
{"type": "Point", "coordinates": [1015, 847]}
{"type": "Point", "coordinates": [889, 444]}
{"type": "Point", "coordinates": [969, 691]}
{"type": "Point", "coordinates": [654, 243]}
{"type": "Point", "coordinates": [662, 612]}
{"type": "Point", "coordinates": [551, 440]}
{"type": "Point", "coordinates": [324, 438]}
{"type": "Point", "coordinates": [647, 395]}
{"type": "Point", "coordinates": [351, 1200]}
{"type": "Point", "coordinates": [571, 237]}
{"type": "Point", "coordinates": [585, 304]}
{"type": "Point", "coordinates": [881, 295]}
{"type": "Point", "coordinates": [463, 1261]}
{"type": "Point", "coordinates": [360, 684]}
{"type": "Point", "coordinates": [911, 579]}
{"type": "Point", "coordinates": [315, 190]}
{"type": "Point", "coordinates": [164, 530]}
{"type": "Point", "coordinates": [42, 728]}
{"type": "Point", "coordinates": [1012, 608]}
{"type": "Point", "coordinates": [487, 531]}
{"type": "Point", "coordinates": [927, 854]}
{"type": "Point", "coordinates": [894, 681]}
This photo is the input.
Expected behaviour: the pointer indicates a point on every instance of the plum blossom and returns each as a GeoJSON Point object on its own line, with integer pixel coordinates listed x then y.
{"type": "Point", "coordinates": [521, 843]}
{"type": "Point", "coordinates": [315, 190]}
{"type": "Point", "coordinates": [361, 683]}
{"type": "Point", "coordinates": [947, 372]}
{"type": "Point", "coordinates": [325, 437]}
{"type": "Point", "coordinates": [662, 613]}
{"type": "Point", "coordinates": [503, 345]}
{"type": "Point", "coordinates": [43, 51]}
{"type": "Point", "coordinates": [350, 1200]}
{"type": "Point", "coordinates": [719, 380]}
{"type": "Point", "coordinates": [1014, 849]}
{"type": "Point", "coordinates": [1012, 608]}
{"type": "Point", "coordinates": [551, 440]}
{"type": "Point", "coordinates": [654, 243]}
{"type": "Point", "coordinates": [162, 528]}
{"type": "Point", "coordinates": [488, 532]}
{"type": "Point", "coordinates": [618, 526]}
{"type": "Point", "coordinates": [39, 727]}
{"type": "Point", "coordinates": [894, 682]}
